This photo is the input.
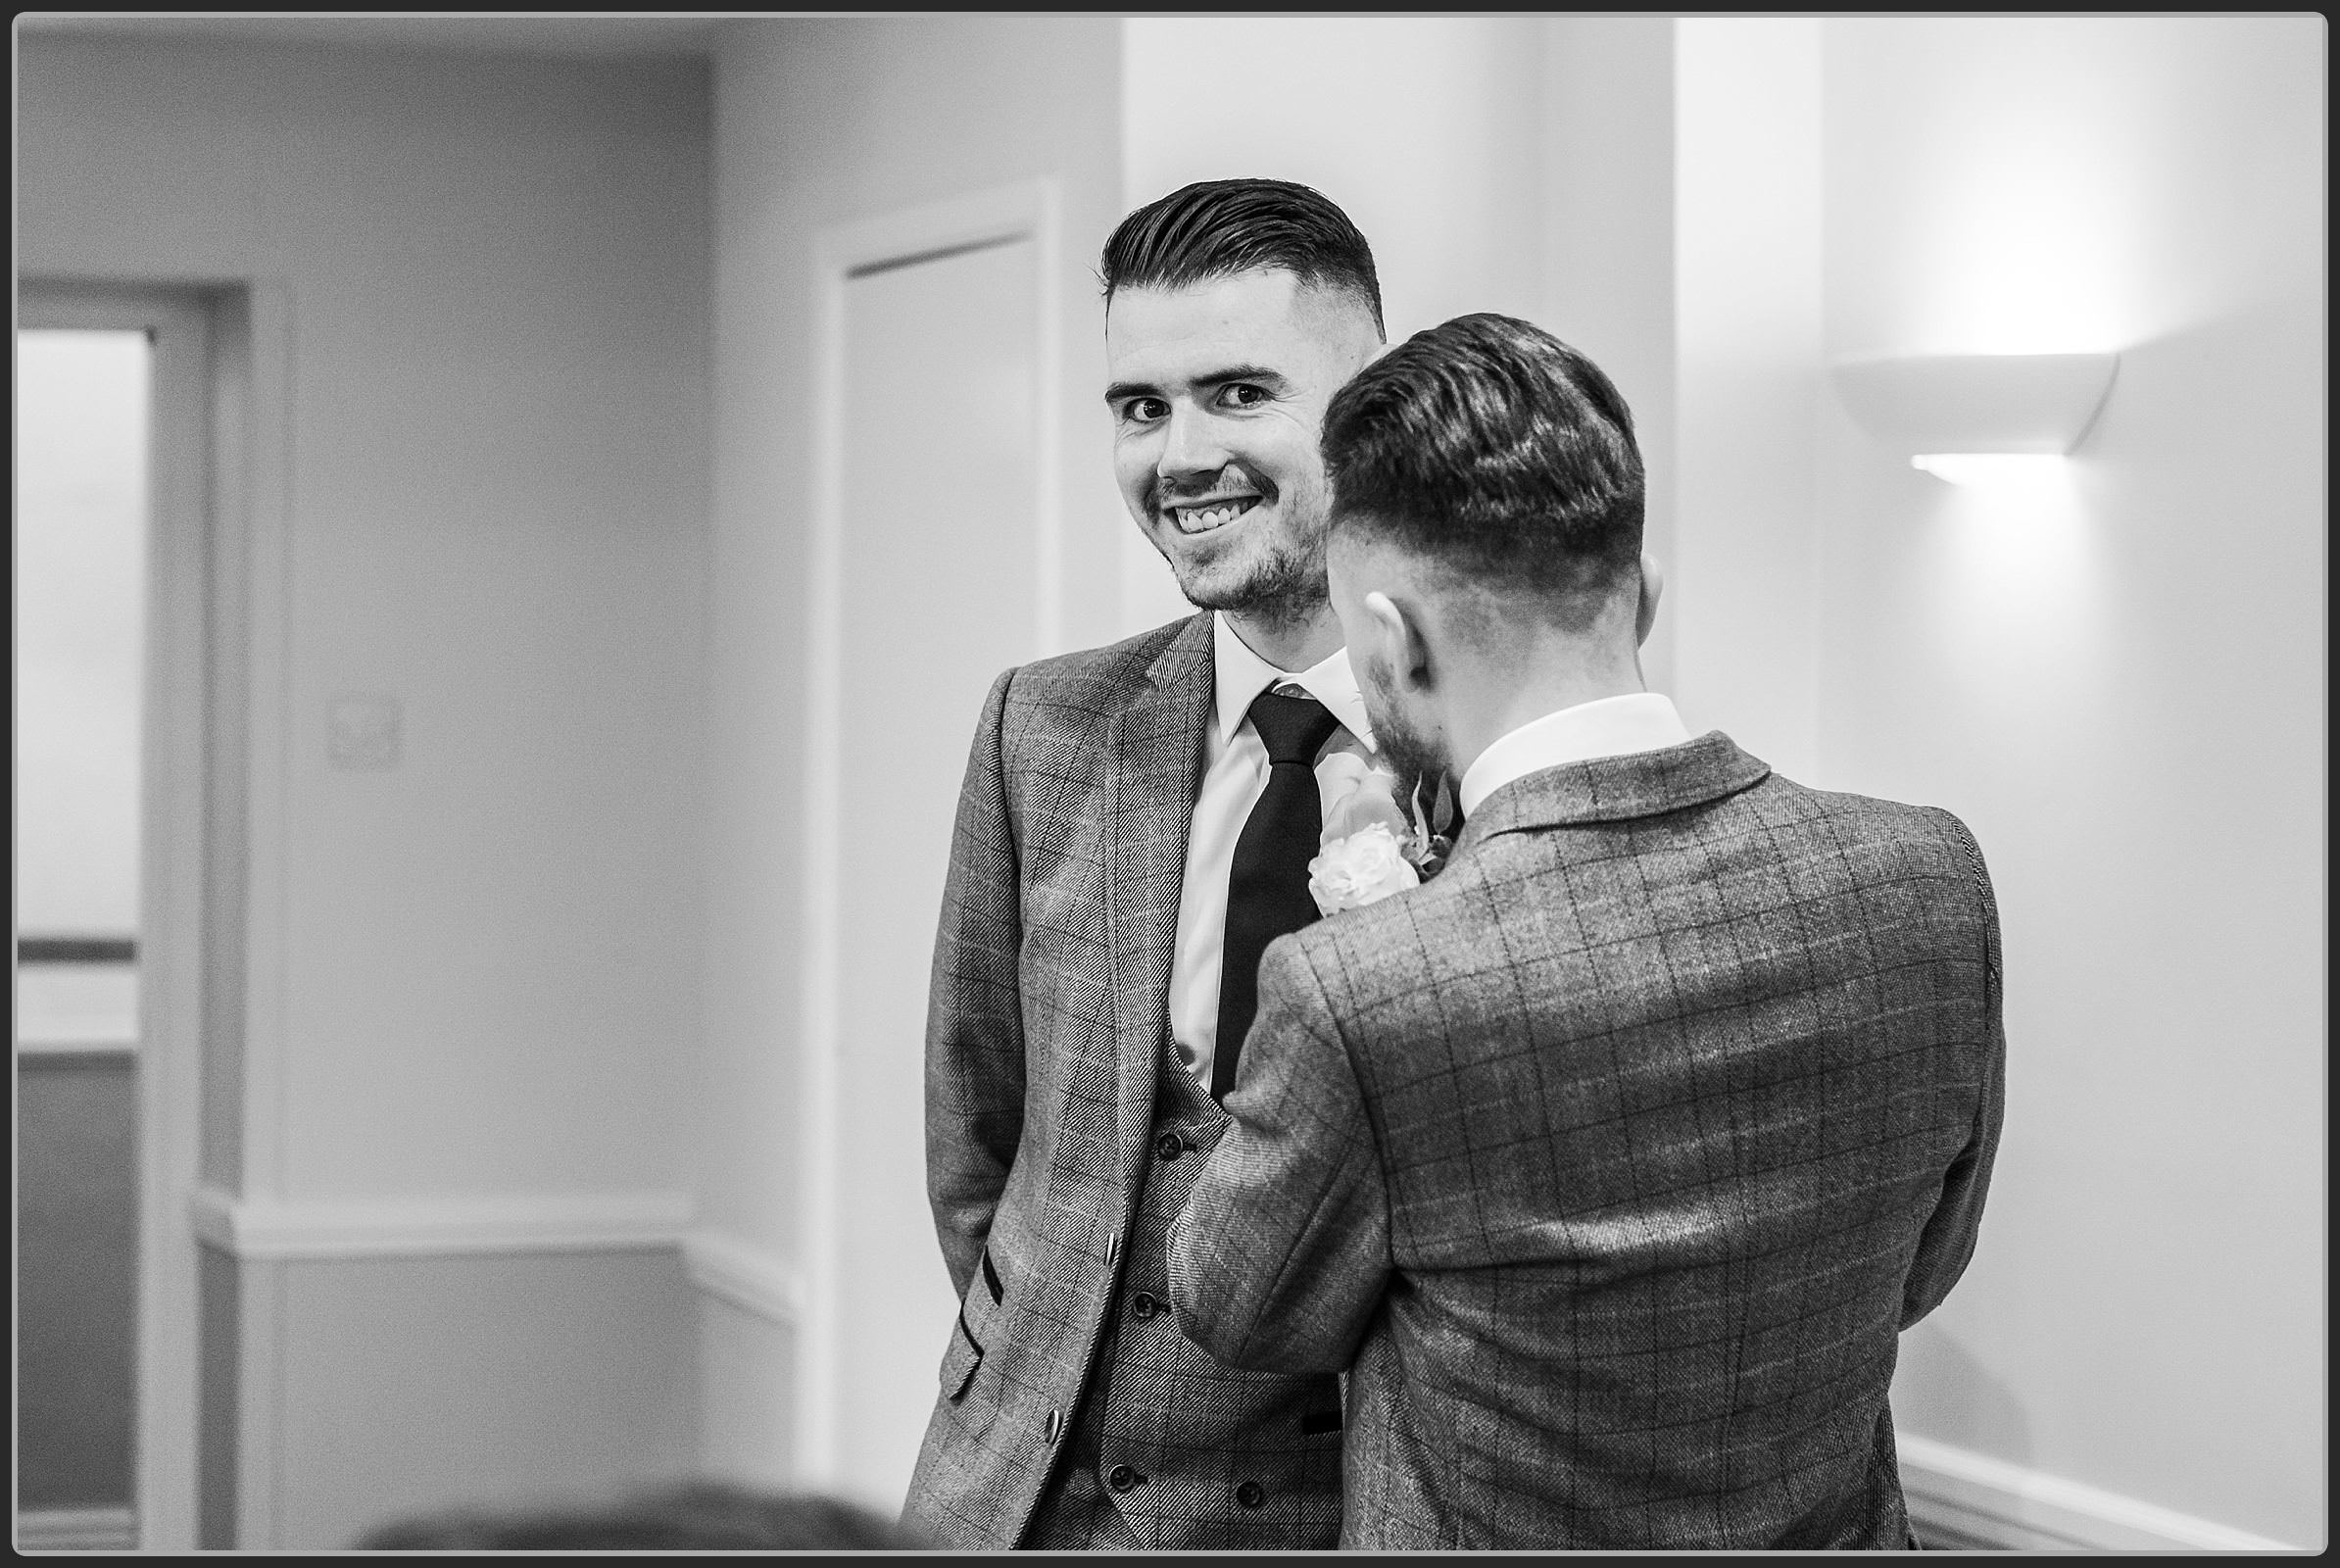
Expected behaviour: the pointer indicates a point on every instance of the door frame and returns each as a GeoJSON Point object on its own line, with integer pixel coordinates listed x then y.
{"type": "Point", "coordinates": [218, 571]}
{"type": "Point", "coordinates": [171, 759]}
{"type": "Point", "coordinates": [1003, 215]}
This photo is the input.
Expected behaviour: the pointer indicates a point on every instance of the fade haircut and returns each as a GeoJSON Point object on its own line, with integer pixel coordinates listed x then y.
{"type": "Point", "coordinates": [1218, 227]}
{"type": "Point", "coordinates": [1490, 448]}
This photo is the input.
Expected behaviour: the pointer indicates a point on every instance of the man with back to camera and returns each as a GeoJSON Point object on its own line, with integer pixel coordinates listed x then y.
{"type": "Point", "coordinates": [1611, 1163]}
{"type": "Point", "coordinates": [1126, 839]}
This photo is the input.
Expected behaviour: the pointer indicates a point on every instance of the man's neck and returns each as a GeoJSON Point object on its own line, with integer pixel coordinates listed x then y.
{"type": "Point", "coordinates": [1291, 646]}
{"type": "Point", "coordinates": [1490, 704]}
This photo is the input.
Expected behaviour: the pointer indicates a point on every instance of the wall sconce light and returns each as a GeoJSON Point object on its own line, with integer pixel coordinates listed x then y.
{"type": "Point", "coordinates": [1971, 417]}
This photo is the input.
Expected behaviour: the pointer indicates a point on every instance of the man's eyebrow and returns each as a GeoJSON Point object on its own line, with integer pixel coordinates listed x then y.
{"type": "Point", "coordinates": [1273, 381]}
{"type": "Point", "coordinates": [1246, 372]}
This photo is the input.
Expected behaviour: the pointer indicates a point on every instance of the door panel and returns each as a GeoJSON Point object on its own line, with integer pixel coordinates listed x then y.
{"type": "Point", "coordinates": [937, 583]}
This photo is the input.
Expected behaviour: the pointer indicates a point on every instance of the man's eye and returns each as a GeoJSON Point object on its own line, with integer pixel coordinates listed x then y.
{"type": "Point", "coordinates": [1243, 395]}
{"type": "Point", "coordinates": [1144, 410]}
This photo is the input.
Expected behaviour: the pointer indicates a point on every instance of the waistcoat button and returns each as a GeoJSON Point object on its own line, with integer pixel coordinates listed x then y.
{"type": "Point", "coordinates": [1250, 1494]}
{"type": "Point", "coordinates": [1145, 1306]}
{"type": "Point", "coordinates": [1056, 1425]}
{"type": "Point", "coordinates": [1121, 1478]}
{"type": "Point", "coordinates": [1169, 1146]}
{"type": "Point", "coordinates": [1112, 1248]}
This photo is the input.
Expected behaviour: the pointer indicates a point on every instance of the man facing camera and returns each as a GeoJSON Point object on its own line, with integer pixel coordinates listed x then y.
{"type": "Point", "coordinates": [1135, 825]}
{"type": "Point", "coordinates": [1612, 1161]}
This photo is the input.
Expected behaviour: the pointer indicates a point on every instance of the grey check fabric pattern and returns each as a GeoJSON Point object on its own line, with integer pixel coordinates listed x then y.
{"type": "Point", "coordinates": [1047, 1097]}
{"type": "Point", "coordinates": [1612, 1161]}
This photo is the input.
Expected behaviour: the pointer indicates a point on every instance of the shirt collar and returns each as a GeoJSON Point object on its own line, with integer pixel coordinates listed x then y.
{"type": "Point", "coordinates": [1610, 726]}
{"type": "Point", "coordinates": [1242, 675]}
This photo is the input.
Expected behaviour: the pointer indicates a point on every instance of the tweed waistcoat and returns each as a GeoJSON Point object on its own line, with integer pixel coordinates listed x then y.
{"type": "Point", "coordinates": [1129, 1480]}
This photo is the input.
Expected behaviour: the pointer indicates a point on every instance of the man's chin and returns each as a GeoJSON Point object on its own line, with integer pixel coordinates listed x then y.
{"type": "Point", "coordinates": [1276, 589]}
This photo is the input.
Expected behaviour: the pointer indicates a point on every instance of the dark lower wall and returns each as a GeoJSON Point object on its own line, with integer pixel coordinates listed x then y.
{"type": "Point", "coordinates": [77, 1278]}
{"type": "Point", "coordinates": [219, 1392]}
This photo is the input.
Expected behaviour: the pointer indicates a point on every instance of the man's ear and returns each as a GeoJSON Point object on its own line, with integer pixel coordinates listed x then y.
{"type": "Point", "coordinates": [1654, 585]}
{"type": "Point", "coordinates": [1398, 629]}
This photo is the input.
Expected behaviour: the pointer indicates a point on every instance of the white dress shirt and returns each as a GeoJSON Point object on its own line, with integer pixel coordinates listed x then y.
{"type": "Point", "coordinates": [1233, 776]}
{"type": "Point", "coordinates": [1611, 726]}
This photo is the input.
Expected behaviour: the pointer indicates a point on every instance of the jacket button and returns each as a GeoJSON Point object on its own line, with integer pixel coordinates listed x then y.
{"type": "Point", "coordinates": [1121, 1478]}
{"type": "Point", "coordinates": [1250, 1494]}
{"type": "Point", "coordinates": [1169, 1146]}
{"type": "Point", "coordinates": [1056, 1425]}
{"type": "Point", "coordinates": [1145, 1306]}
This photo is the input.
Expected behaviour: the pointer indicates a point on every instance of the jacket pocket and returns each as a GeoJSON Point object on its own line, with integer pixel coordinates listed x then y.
{"type": "Point", "coordinates": [990, 1278]}
{"type": "Point", "coordinates": [960, 1360]}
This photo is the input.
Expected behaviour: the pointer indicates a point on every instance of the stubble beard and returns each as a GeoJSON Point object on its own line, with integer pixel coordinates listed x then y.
{"type": "Point", "coordinates": [1416, 758]}
{"type": "Point", "coordinates": [1282, 587]}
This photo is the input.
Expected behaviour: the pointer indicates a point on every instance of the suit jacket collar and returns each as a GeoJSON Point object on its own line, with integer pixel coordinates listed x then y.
{"type": "Point", "coordinates": [1616, 789]}
{"type": "Point", "coordinates": [1153, 752]}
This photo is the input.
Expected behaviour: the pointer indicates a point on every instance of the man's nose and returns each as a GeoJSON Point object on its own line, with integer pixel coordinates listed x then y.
{"type": "Point", "coordinates": [1191, 448]}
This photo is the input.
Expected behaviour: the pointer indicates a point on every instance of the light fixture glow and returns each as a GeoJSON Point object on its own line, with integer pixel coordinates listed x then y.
{"type": "Point", "coordinates": [1995, 468]}
{"type": "Point", "coordinates": [1970, 406]}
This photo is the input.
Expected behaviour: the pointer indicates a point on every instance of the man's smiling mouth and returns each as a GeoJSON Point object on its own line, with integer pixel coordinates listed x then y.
{"type": "Point", "coordinates": [1202, 516]}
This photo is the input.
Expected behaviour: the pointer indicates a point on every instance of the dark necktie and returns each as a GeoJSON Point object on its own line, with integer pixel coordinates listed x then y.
{"type": "Point", "coordinates": [1267, 887]}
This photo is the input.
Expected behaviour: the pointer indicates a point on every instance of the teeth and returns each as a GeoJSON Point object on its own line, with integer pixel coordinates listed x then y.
{"type": "Point", "coordinates": [1202, 520]}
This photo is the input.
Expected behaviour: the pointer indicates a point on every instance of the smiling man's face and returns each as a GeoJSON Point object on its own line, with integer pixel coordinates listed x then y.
{"type": "Point", "coordinates": [1218, 393]}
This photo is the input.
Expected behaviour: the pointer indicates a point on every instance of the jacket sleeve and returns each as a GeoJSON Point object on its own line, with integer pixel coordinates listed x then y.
{"type": "Point", "coordinates": [1280, 1258]}
{"type": "Point", "coordinates": [1947, 1243]}
{"type": "Point", "coordinates": [974, 1015]}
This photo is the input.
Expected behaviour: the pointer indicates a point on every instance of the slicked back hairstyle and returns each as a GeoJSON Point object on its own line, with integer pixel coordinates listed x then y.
{"type": "Point", "coordinates": [1490, 447]}
{"type": "Point", "coordinates": [1218, 227]}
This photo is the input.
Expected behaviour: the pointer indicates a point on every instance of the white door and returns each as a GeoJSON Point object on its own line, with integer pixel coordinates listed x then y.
{"type": "Point", "coordinates": [937, 593]}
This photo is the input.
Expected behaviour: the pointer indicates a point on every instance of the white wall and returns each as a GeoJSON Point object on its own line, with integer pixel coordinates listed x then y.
{"type": "Point", "coordinates": [479, 995]}
{"type": "Point", "coordinates": [820, 121]}
{"type": "Point", "coordinates": [2118, 684]}
{"type": "Point", "coordinates": [1425, 130]}
{"type": "Point", "coordinates": [1748, 324]}
{"type": "Point", "coordinates": [1607, 202]}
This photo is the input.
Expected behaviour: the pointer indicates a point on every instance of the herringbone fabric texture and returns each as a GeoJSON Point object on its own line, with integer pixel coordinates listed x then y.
{"type": "Point", "coordinates": [1616, 1158]}
{"type": "Point", "coordinates": [1048, 1040]}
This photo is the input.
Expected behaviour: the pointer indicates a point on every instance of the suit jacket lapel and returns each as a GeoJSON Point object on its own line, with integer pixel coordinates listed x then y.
{"type": "Point", "coordinates": [1154, 752]}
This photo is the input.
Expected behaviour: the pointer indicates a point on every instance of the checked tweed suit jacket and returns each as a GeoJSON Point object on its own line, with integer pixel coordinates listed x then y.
{"type": "Point", "coordinates": [1062, 1136]}
{"type": "Point", "coordinates": [1615, 1159]}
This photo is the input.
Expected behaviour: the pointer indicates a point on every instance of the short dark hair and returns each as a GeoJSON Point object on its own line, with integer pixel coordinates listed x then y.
{"type": "Point", "coordinates": [1490, 447]}
{"type": "Point", "coordinates": [700, 1516]}
{"type": "Point", "coordinates": [1218, 227]}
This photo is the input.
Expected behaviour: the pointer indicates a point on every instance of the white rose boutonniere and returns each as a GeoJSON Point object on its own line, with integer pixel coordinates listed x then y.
{"type": "Point", "coordinates": [1360, 868]}
{"type": "Point", "coordinates": [1371, 846]}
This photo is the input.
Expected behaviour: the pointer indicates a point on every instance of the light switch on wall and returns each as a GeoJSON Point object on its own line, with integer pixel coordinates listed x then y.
{"type": "Point", "coordinates": [364, 732]}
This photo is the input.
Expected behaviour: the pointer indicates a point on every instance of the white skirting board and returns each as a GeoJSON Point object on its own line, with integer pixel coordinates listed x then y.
{"type": "Point", "coordinates": [495, 1223]}
{"type": "Point", "coordinates": [746, 1277]}
{"type": "Point", "coordinates": [77, 1530]}
{"type": "Point", "coordinates": [1979, 1498]}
